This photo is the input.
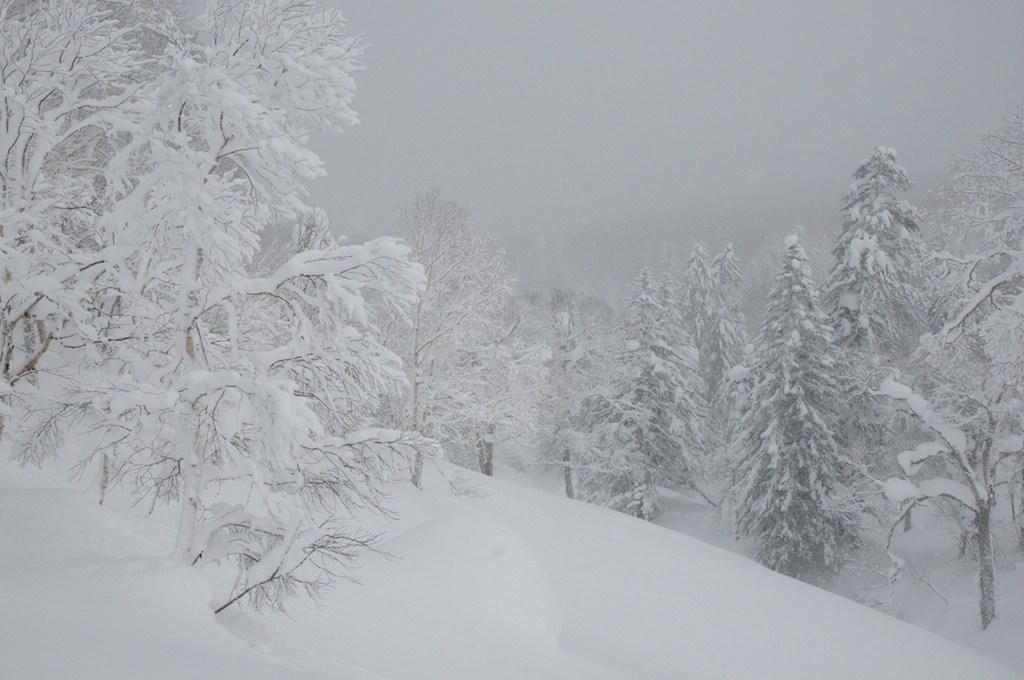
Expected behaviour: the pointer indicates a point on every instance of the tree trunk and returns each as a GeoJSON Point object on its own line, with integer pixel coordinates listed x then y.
{"type": "Point", "coordinates": [485, 453]}
{"type": "Point", "coordinates": [192, 462]}
{"type": "Point", "coordinates": [417, 470]}
{"type": "Point", "coordinates": [1018, 521]}
{"type": "Point", "coordinates": [192, 485]}
{"type": "Point", "coordinates": [570, 491]}
{"type": "Point", "coordinates": [417, 381]}
{"type": "Point", "coordinates": [986, 565]}
{"type": "Point", "coordinates": [103, 478]}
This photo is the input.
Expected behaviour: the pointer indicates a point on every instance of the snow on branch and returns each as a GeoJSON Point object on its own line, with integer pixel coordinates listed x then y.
{"type": "Point", "coordinates": [955, 439]}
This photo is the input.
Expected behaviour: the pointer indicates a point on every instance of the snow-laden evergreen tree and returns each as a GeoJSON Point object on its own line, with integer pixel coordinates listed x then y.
{"type": "Point", "coordinates": [697, 299]}
{"type": "Point", "coordinates": [682, 369]}
{"type": "Point", "coordinates": [710, 310]}
{"type": "Point", "coordinates": [726, 347]}
{"type": "Point", "coordinates": [869, 293]}
{"type": "Point", "coordinates": [648, 424]}
{"type": "Point", "coordinates": [247, 399]}
{"type": "Point", "coordinates": [794, 496]}
{"type": "Point", "coordinates": [873, 298]}
{"type": "Point", "coordinates": [723, 324]}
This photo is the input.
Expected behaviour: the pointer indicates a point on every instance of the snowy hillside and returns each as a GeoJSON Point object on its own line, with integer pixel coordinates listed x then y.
{"type": "Point", "coordinates": [500, 582]}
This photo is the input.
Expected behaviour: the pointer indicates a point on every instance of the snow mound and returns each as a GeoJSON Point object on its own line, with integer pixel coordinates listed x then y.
{"type": "Point", "coordinates": [481, 574]}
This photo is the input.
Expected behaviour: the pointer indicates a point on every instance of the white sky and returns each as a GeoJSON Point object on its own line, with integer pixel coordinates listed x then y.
{"type": "Point", "coordinates": [555, 114]}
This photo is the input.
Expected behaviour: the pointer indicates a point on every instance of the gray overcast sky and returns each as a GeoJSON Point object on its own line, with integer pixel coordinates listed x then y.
{"type": "Point", "coordinates": [566, 113]}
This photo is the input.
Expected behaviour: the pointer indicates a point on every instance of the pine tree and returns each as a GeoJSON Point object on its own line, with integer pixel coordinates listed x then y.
{"type": "Point", "coordinates": [684, 384]}
{"type": "Point", "coordinates": [871, 297]}
{"type": "Point", "coordinates": [869, 292]}
{"type": "Point", "coordinates": [727, 343]}
{"type": "Point", "coordinates": [697, 299]}
{"type": "Point", "coordinates": [792, 498]}
{"type": "Point", "coordinates": [648, 426]}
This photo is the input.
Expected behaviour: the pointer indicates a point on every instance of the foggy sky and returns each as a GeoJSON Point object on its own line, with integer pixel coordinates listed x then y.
{"type": "Point", "coordinates": [557, 114]}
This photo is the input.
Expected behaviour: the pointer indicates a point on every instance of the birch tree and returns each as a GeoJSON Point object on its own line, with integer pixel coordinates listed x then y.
{"type": "Point", "coordinates": [970, 401]}
{"type": "Point", "coordinates": [67, 70]}
{"type": "Point", "coordinates": [248, 399]}
{"type": "Point", "coordinates": [466, 288]}
{"type": "Point", "coordinates": [575, 327]}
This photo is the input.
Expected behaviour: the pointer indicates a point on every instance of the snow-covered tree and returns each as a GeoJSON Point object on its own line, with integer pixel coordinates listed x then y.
{"type": "Point", "coordinates": [673, 347]}
{"type": "Point", "coordinates": [869, 292]}
{"type": "Point", "coordinates": [648, 424]}
{"type": "Point", "coordinates": [874, 299]}
{"type": "Point", "coordinates": [487, 396]}
{"type": "Point", "coordinates": [249, 399]}
{"type": "Point", "coordinates": [971, 369]}
{"type": "Point", "coordinates": [711, 312]}
{"type": "Point", "coordinates": [457, 333]}
{"type": "Point", "coordinates": [794, 497]}
{"type": "Point", "coordinates": [67, 71]}
{"type": "Point", "coordinates": [725, 350]}
{"type": "Point", "coordinates": [984, 203]}
{"type": "Point", "coordinates": [574, 327]}
{"type": "Point", "coordinates": [697, 299]}
{"type": "Point", "coordinates": [975, 437]}
{"type": "Point", "coordinates": [730, 333]}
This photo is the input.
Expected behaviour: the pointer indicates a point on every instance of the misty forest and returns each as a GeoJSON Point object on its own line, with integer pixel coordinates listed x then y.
{"type": "Point", "coordinates": [238, 444]}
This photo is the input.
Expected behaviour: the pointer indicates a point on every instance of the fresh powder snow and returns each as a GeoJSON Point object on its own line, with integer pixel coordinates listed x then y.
{"type": "Point", "coordinates": [500, 582]}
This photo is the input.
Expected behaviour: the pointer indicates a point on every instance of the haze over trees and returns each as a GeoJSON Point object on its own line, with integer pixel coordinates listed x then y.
{"type": "Point", "coordinates": [273, 395]}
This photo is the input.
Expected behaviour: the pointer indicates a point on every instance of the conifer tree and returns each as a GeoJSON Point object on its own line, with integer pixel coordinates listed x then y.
{"type": "Point", "coordinates": [795, 481]}
{"type": "Point", "coordinates": [648, 426]}
{"type": "Point", "coordinates": [869, 293]}
{"type": "Point", "coordinates": [727, 331]}
{"type": "Point", "coordinates": [871, 298]}
{"type": "Point", "coordinates": [725, 351]}
{"type": "Point", "coordinates": [697, 298]}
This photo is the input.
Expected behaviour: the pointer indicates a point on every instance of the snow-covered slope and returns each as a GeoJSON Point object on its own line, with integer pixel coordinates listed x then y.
{"type": "Point", "coordinates": [503, 582]}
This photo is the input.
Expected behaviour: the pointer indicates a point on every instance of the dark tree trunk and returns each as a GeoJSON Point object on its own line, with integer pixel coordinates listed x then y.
{"type": "Point", "coordinates": [570, 491]}
{"type": "Point", "coordinates": [986, 565]}
{"type": "Point", "coordinates": [485, 454]}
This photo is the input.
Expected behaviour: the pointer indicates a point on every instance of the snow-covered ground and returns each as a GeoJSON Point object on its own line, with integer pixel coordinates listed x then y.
{"type": "Point", "coordinates": [938, 590]}
{"type": "Point", "coordinates": [500, 582]}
